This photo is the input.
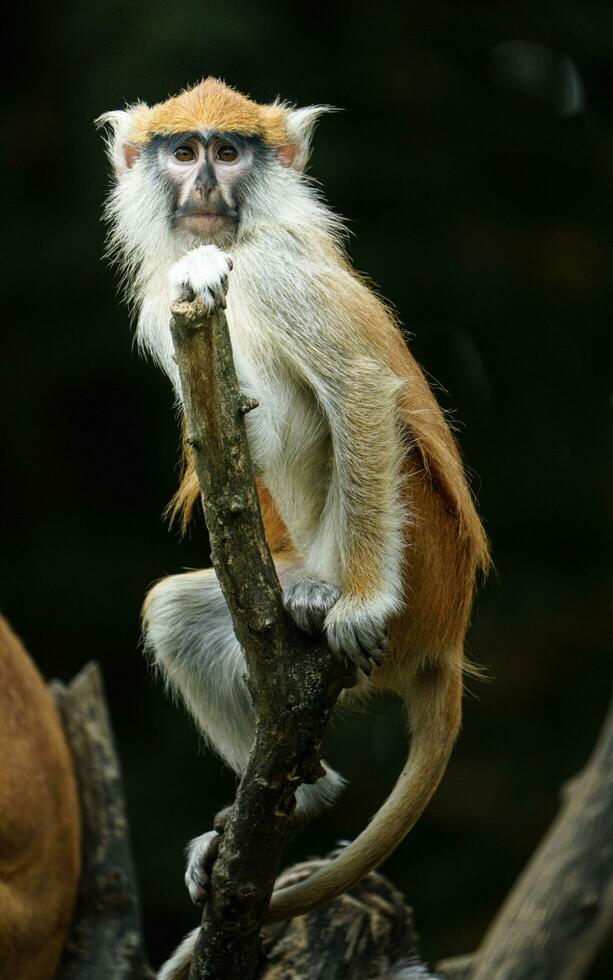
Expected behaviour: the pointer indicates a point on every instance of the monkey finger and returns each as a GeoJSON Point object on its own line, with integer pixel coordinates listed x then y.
{"type": "Point", "coordinates": [208, 298]}
{"type": "Point", "coordinates": [219, 295]}
{"type": "Point", "coordinates": [210, 857]}
{"type": "Point", "coordinates": [311, 622]}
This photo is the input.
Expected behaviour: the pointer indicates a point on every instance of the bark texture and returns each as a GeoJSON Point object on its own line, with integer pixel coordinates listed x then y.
{"type": "Point", "coordinates": [294, 682]}
{"type": "Point", "coordinates": [457, 967]}
{"type": "Point", "coordinates": [561, 907]}
{"type": "Point", "coordinates": [105, 939]}
{"type": "Point", "coordinates": [362, 934]}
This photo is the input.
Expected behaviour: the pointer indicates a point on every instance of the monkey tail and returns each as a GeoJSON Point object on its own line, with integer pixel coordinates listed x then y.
{"type": "Point", "coordinates": [179, 964]}
{"type": "Point", "coordinates": [434, 705]}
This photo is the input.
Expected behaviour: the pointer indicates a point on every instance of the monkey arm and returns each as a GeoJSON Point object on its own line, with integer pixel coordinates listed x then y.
{"type": "Point", "coordinates": [315, 317]}
{"type": "Point", "coordinates": [359, 401]}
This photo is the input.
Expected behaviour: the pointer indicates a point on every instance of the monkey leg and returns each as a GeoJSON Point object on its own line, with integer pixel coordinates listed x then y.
{"type": "Point", "coordinates": [188, 632]}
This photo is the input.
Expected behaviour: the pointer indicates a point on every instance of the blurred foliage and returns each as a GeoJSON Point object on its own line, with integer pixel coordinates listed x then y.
{"type": "Point", "coordinates": [474, 162]}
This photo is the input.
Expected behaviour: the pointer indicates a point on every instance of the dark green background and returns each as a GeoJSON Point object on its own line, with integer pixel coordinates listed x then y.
{"type": "Point", "coordinates": [479, 194]}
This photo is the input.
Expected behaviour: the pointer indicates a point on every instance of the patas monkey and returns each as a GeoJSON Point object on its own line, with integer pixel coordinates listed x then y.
{"type": "Point", "coordinates": [366, 505]}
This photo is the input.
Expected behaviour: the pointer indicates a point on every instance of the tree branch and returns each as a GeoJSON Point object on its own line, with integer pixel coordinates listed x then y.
{"type": "Point", "coordinates": [105, 940]}
{"type": "Point", "coordinates": [457, 967]}
{"type": "Point", "coordinates": [366, 932]}
{"type": "Point", "coordinates": [561, 907]}
{"type": "Point", "coordinates": [294, 682]}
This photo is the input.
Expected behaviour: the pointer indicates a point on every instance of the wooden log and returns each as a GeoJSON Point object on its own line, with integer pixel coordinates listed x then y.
{"type": "Point", "coordinates": [457, 967]}
{"type": "Point", "coordinates": [105, 939]}
{"type": "Point", "coordinates": [367, 932]}
{"type": "Point", "coordinates": [561, 908]}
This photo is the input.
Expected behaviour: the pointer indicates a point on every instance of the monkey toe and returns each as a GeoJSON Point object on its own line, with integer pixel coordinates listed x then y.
{"type": "Point", "coordinates": [202, 854]}
{"type": "Point", "coordinates": [211, 855]}
{"type": "Point", "coordinates": [198, 887]}
{"type": "Point", "coordinates": [198, 884]}
{"type": "Point", "coordinates": [362, 641]}
{"type": "Point", "coordinates": [221, 819]}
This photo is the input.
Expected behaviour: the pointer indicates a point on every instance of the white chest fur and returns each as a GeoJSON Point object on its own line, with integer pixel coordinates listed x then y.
{"type": "Point", "coordinates": [288, 438]}
{"type": "Point", "coordinates": [288, 434]}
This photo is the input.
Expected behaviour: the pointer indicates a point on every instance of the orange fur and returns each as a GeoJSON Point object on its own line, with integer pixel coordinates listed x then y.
{"type": "Point", "coordinates": [445, 541]}
{"type": "Point", "coordinates": [210, 105]}
{"type": "Point", "coordinates": [39, 821]}
{"type": "Point", "coordinates": [181, 506]}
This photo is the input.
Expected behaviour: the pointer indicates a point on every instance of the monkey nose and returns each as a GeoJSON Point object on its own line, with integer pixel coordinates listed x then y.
{"type": "Point", "coordinates": [204, 183]}
{"type": "Point", "coordinates": [203, 189]}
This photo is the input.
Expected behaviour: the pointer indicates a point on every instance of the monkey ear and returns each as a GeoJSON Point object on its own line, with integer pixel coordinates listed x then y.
{"type": "Point", "coordinates": [301, 125]}
{"type": "Point", "coordinates": [122, 154]}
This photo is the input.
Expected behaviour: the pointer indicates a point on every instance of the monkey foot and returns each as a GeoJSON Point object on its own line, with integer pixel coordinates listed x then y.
{"type": "Point", "coordinates": [201, 856]}
{"type": "Point", "coordinates": [358, 630]}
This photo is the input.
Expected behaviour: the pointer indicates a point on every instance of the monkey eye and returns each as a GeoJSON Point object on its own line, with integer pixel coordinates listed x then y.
{"type": "Point", "coordinates": [185, 153]}
{"type": "Point", "coordinates": [226, 153]}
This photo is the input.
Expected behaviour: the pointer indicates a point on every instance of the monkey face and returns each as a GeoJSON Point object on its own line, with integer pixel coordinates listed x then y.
{"type": "Point", "coordinates": [207, 174]}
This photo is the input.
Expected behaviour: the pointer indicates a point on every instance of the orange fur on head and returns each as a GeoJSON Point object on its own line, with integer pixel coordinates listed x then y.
{"type": "Point", "coordinates": [210, 105]}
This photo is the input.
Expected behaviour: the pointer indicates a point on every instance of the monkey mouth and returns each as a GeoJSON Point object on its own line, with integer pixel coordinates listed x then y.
{"type": "Point", "coordinates": [225, 213]}
{"type": "Point", "coordinates": [203, 222]}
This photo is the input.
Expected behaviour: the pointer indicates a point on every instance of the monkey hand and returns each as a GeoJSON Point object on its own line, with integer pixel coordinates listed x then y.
{"type": "Point", "coordinates": [202, 273]}
{"type": "Point", "coordinates": [357, 629]}
{"type": "Point", "coordinates": [308, 601]}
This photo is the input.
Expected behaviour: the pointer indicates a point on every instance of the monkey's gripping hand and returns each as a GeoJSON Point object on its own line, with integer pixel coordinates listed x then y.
{"type": "Point", "coordinates": [308, 601]}
{"type": "Point", "coordinates": [202, 273]}
{"type": "Point", "coordinates": [354, 629]}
